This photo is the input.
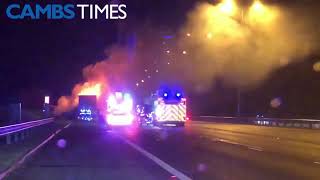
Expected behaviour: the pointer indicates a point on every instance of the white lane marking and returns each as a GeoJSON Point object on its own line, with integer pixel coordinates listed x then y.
{"type": "Point", "coordinates": [229, 142]}
{"type": "Point", "coordinates": [58, 131]}
{"type": "Point", "coordinates": [255, 148]}
{"type": "Point", "coordinates": [158, 161]}
{"type": "Point", "coordinates": [316, 162]}
{"type": "Point", "coordinates": [239, 144]}
{"type": "Point", "coordinates": [34, 150]}
{"type": "Point", "coordinates": [67, 126]}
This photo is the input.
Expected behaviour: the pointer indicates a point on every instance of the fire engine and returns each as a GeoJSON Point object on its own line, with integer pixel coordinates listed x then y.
{"type": "Point", "coordinates": [170, 108]}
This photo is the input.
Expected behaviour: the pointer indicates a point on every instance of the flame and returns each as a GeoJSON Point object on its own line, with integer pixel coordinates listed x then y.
{"type": "Point", "coordinates": [91, 89]}
{"type": "Point", "coordinates": [67, 103]}
{"type": "Point", "coordinates": [97, 78]}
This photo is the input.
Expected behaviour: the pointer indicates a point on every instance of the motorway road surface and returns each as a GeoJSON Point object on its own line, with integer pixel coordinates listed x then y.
{"type": "Point", "coordinates": [201, 150]}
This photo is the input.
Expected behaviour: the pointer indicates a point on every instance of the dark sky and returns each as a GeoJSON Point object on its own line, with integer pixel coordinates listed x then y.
{"type": "Point", "coordinates": [49, 55]}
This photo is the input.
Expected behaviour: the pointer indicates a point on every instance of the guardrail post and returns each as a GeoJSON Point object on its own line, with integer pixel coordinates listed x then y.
{"type": "Point", "coordinates": [8, 139]}
{"type": "Point", "coordinates": [315, 125]}
{"type": "Point", "coordinates": [22, 134]}
{"type": "Point", "coordinates": [46, 110]}
{"type": "Point", "coordinates": [16, 137]}
{"type": "Point", "coordinates": [15, 117]}
{"type": "Point", "coordinates": [27, 133]}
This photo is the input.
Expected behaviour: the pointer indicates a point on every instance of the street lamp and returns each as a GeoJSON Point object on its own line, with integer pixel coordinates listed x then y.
{"type": "Point", "coordinates": [228, 7]}
{"type": "Point", "coordinates": [257, 6]}
{"type": "Point", "coordinates": [209, 35]}
{"type": "Point", "coordinates": [259, 13]}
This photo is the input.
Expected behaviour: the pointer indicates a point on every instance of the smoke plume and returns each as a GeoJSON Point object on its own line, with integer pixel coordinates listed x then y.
{"type": "Point", "coordinates": [243, 47]}
{"type": "Point", "coordinates": [98, 78]}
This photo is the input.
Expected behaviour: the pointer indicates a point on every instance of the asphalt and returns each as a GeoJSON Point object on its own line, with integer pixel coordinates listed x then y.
{"type": "Point", "coordinates": [199, 151]}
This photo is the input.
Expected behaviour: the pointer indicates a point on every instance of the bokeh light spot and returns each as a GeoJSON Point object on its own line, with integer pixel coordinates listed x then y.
{"type": "Point", "coordinates": [61, 143]}
{"type": "Point", "coordinates": [202, 167]}
{"type": "Point", "coordinates": [276, 102]}
{"type": "Point", "coordinates": [316, 66]}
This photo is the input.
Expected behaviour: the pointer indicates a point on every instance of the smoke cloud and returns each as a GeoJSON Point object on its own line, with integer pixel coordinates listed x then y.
{"type": "Point", "coordinates": [240, 46]}
{"type": "Point", "coordinates": [98, 78]}
{"type": "Point", "coordinates": [243, 47]}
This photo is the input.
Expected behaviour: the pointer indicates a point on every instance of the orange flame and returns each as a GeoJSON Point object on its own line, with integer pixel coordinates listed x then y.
{"type": "Point", "coordinates": [91, 89]}
{"type": "Point", "coordinates": [97, 77]}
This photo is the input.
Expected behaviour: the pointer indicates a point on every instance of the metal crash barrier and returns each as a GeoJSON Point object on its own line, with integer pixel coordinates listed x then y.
{"type": "Point", "coordinates": [274, 122]}
{"type": "Point", "coordinates": [293, 123]}
{"type": "Point", "coordinates": [17, 132]}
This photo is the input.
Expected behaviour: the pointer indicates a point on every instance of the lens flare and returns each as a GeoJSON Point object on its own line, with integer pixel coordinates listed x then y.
{"type": "Point", "coordinates": [275, 103]}
{"type": "Point", "coordinates": [61, 143]}
{"type": "Point", "coordinates": [316, 66]}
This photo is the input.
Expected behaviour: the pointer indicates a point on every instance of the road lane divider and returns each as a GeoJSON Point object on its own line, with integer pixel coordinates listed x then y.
{"type": "Point", "coordinates": [255, 148]}
{"type": "Point", "coordinates": [58, 131]}
{"type": "Point", "coordinates": [158, 161]}
{"type": "Point", "coordinates": [18, 163]}
{"type": "Point", "coordinates": [67, 126]}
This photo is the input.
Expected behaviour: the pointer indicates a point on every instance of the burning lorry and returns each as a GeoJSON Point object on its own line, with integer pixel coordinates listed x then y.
{"type": "Point", "coordinates": [118, 109]}
{"type": "Point", "coordinates": [87, 108]}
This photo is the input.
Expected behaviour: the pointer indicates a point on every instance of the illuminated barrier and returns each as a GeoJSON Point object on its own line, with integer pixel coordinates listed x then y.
{"type": "Point", "coordinates": [5, 130]}
{"type": "Point", "coordinates": [171, 112]}
{"type": "Point", "coordinates": [15, 132]}
{"type": "Point", "coordinates": [275, 122]}
{"type": "Point", "coordinates": [289, 123]}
